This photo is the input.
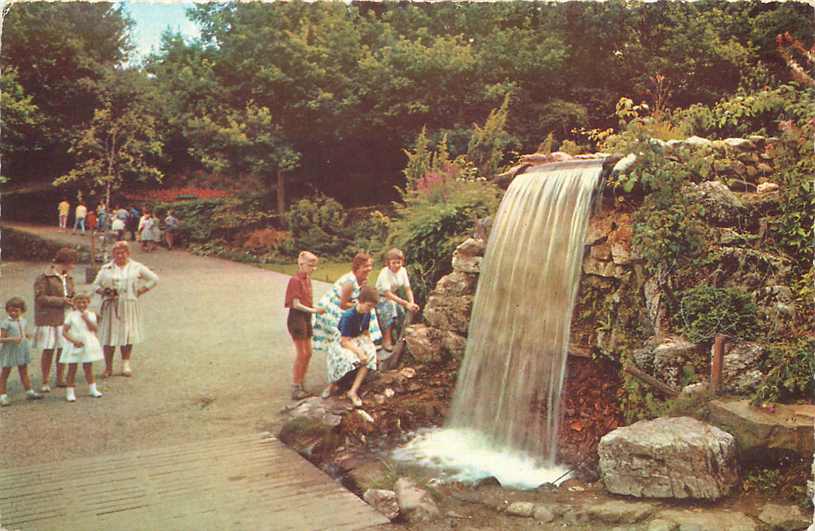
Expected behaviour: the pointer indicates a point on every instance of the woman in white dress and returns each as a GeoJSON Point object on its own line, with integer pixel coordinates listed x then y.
{"type": "Point", "coordinates": [121, 283]}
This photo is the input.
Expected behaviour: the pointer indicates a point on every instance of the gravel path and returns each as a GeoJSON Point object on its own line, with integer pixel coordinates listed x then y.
{"type": "Point", "coordinates": [217, 362]}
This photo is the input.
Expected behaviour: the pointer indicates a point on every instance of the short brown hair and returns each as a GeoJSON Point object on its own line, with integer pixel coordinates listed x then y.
{"type": "Point", "coordinates": [368, 294]}
{"type": "Point", "coordinates": [360, 260]}
{"type": "Point", "coordinates": [66, 255]}
{"type": "Point", "coordinates": [16, 302]}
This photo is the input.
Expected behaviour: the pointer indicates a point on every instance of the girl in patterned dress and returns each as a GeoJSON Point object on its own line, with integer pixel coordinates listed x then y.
{"type": "Point", "coordinates": [354, 349]}
{"type": "Point", "coordinates": [339, 298]}
{"type": "Point", "coordinates": [81, 346]}
{"type": "Point", "coordinates": [14, 350]}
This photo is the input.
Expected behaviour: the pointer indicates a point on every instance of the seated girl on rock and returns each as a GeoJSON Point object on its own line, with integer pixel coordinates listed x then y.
{"type": "Point", "coordinates": [353, 349]}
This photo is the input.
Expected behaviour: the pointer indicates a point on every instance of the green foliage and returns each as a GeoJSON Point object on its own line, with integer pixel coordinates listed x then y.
{"type": "Point", "coordinates": [489, 143]}
{"type": "Point", "coordinates": [705, 311]}
{"type": "Point", "coordinates": [317, 225]}
{"type": "Point", "coordinates": [428, 228]}
{"type": "Point", "coordinates": [20, 117]}
{"type": "Point", "coordinates": [789, 369]}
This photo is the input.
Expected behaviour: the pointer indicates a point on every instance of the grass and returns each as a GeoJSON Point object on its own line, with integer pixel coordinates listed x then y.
{"type": "Point", "coordinates": [326, 271]}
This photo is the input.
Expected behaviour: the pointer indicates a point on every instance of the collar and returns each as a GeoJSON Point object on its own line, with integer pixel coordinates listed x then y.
{"type": "Point", "coordinates": [51, 271]}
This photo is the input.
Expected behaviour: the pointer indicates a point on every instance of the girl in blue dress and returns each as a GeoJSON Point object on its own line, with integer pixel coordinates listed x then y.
{"type": "Point", "coordinates": [14, 349]}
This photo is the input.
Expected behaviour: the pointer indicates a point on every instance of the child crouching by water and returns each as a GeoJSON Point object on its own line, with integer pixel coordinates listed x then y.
{"type": "Point", "coordinates": [14, 350]}
{"type": "Point", "coordinates": [353, 349]}
{"type": "Point", "coordinates": [299, 300]}
{"type": "Point", "coordinates": [81, 346]}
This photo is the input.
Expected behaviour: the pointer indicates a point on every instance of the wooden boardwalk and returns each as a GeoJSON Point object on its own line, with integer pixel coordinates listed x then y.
{"type": "Point", "coordinates": [247, 482]}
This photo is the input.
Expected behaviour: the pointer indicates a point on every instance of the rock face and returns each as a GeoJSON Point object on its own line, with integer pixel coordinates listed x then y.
{"type": "Point", "coordinates": [669, 357]}
{"type": "Point", "coordinates": [740, 372]}
{"type": "Point", "coordinates": [757, 430]}
{"type": "Point", "coordinates": [448, 308]}
{"type": "Point", "coordinates": [722, 206]}
{"type": "Point", "coordinates": [669, 458]}
{"type": "Point", "coordinates": [784, 517]}
{"type": "Point", "coordinates": [310, 425]}
{"type": "Point", "coordinates": [415, 503]}
{"type": "Point", "coordinates": [384, 501]}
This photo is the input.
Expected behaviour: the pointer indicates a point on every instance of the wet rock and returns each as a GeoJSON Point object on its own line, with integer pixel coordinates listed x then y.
{"type": "Point", "coordinates": [789, 517]}
{"type": "Point", "coordinates": [623, 164]}
{"type": "Point", "coordinates": [415, 503]}
{"type": "Point", "coordinates": [471, 247]}
{"type": "Point", "coordinates": [620, 512]}
{"type": "Point", "coordinates": [599, 229]}
{"type": "Point", "coordinates": [757, 430]}
{"type": "Point", "coordinates": [466, 264]}
{"type": "Point", "coordinates": [766, 188]}
{"type": "Point", "coordinates": [709, 520]}
{"type": "Point", "coordinates": [543, 513]}
{"type": "Point", "coordinates": [491, 481]}
{"type": "Point", "coordinates": [454, 343]}
{"type": "Point", "coordinates": [669, 358]}
{"type": "Point", "coordinates": [740, 372]}
{"type": "Point", "coordinates": [368, 475]}
{"type": "Point", "coordinates": [669, 458]}
{"type": "Point", "coordinates": [601, 252]}
{"type": "Point", "coordinates": [449, 313]}
{"type": "Point", "coordinates": [524, 509]}
{"type": "Point", "coordinates": [592, 266]}
{"type": "Point", "coordinates": [384, 501]}
{"type": "Point", "coordinates": [424, 343]}
{"type": "Point", "coordinates": [661, 524]}
{"type": "Point", "coordinates": [457, 283]}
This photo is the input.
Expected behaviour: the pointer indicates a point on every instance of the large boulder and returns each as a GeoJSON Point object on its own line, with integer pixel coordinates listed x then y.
{"type": "Point", "coordinates": [415, 503]}
{"type": "Point", "coordinates": [788, 517]}
{"type": "Point", "coordinates": [423, 342]}
{"type": "Point", "coordinates": [449, 313]}
{"type": "Point", "coordinates": [669, 458]}
{"type": "Point", "coordinates": [670, 356]}
{"type": "Point", "coordinates": [310, 426]}
{"type": "Point", "coordinates": [384, 501]}
{"type": "Point", "coordinates": [722, 207]}
{"type": "Point", "coordinates": [456, 284]}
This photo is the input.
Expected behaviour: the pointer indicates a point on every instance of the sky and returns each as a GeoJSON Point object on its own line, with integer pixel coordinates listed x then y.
{"type": "Point", "coordinates": [151, 19]}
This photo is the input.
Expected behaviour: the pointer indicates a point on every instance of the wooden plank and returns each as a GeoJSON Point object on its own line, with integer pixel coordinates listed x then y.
{"type": "Point", "coordinates": [244, 482]}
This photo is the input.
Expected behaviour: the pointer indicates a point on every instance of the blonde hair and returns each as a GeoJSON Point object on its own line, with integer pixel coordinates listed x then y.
{"type": "Point", "coordinates": [394, 254]}
{"type": "Point", "coordinates": [121, 244]}
{"type": "Point", "coordinates": [305, 257]}
{"type": "Point", "coordinates": [82, 295]}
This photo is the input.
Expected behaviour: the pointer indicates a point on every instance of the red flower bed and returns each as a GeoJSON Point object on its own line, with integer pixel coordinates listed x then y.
{"type": "Point", "coordinates": [176, 194]}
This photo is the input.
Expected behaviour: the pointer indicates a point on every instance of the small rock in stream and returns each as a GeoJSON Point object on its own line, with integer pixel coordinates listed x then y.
{"type": "Point", "coordinates": [525, 509]}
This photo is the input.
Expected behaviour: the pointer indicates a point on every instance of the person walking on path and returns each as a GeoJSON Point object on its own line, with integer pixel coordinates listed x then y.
{"type": "Point", "coordinates": [132, 222]}
{"type": "Point", "coordinates": [79, 217]}
{"type": "Point", "coordinates": [53, 294]}
{"type": "Point", "coordinates": [354, 350]}
{"type": "Point", "coordinates": [299, 300]}
{"type": "Point", "coordinates": [102, 217]}
{"type": "Point", "coordinates": [14, 350]}
{"type": "Point", "coordinates": [121, 283]}
{"type": "Point", "coordinates": [341, 297]}
{"type": "Point", "coordinates": [170, 228]}
{"type": "Point", "coordinates": [81, 346]}
{"type": "Point", "coordinates": [63, 209]}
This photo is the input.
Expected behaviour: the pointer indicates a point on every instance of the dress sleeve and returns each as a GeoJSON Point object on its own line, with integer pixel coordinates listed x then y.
{"type": "Point", "coordinates": [149, 276]}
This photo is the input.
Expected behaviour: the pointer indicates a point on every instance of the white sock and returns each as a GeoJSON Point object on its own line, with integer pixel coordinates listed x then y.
{"type": "Point", "coordinates": [70, 394]}
{"type": "Point", "coordinates": [30, 392]}
{"type": "Point", "coordinates": [4, 396]}
{"type": "Point", "coordinates": [93, 391]}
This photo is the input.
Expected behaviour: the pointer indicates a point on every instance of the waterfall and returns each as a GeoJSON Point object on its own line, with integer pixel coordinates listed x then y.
{"type": "Point", "coordinates": [510, 382]}
{"type": "Point", "coordinates": [507, 398]}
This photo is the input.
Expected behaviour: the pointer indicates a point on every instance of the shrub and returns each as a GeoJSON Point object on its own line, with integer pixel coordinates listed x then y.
{"type": "Point", "coordinates": [790, 368]}
{"type": "Point", "coordinates": [706, 311]}
{"type": "Point", "coordinates": [317, 224]}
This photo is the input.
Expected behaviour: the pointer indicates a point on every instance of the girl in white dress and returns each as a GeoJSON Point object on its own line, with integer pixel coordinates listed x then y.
{"type": "Point", "coordinates": [81, 346]}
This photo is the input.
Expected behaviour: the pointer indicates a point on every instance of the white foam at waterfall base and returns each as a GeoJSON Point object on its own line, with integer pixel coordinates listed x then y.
{"type": "Point", "coordinates": [468, 456]}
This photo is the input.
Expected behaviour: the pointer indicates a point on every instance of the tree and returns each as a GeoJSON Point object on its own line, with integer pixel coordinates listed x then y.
{"type": "Point", "coordinates": [20, 118]}
{"type": "Point", "coordinates": [121, 144]}
{"type": "Point", "coordinates": [244, 144]}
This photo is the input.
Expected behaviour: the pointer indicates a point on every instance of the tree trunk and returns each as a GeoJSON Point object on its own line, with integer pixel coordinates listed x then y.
{"type": "Point", "coordinates": [281, 194]}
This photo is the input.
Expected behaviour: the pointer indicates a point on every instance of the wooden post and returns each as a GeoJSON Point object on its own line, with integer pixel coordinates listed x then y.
{"type": "Point", "coordinates": [396, 356]}
{"type": "Point", "coordinates": [716, 363]}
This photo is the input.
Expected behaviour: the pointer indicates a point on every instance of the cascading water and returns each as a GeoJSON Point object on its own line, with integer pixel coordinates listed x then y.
{"type": "Point", "coordinates": [506, 409]}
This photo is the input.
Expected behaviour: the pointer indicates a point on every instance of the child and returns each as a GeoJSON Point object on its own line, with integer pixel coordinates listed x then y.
{"type": "Point", "coordinates": [81, 345]}
{"type": "Point", "coordinates": [354, 349]}
{"type": "Point", "coordinates": [118, 227]}
{"type": "Point", "coordinates": [170, 228]}
{"type": "Point", "coordinates": [300, 303]}
{"type": "Point", "coordinates": [391, 308]}
{"type": "Point", "coordinates": [14, 351]}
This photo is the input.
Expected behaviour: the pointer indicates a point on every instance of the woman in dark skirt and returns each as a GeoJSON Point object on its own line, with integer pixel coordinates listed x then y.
{"type": "Point", "coordinates": [299, 300]}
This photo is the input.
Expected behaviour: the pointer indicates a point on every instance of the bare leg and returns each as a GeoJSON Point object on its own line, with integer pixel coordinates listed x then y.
{"type": "Point", "coordinates": [60, 370]}
{"type": "Point", "coordinates": [22, 370]}
{"type": "Point", "coordinates": [303, 347]}
{"type": "Point", "coordinates": [3, 379]}
{"type": "Point", "coordinates": [87, 368]}
{"type": "Point", "coordinates": [362, 372]}
{"type": "Point", "coordinates": [72, 374]}
{"type": "Point", "coordinates": [387, 338]}
{"type": "Point", "coordinates": [45, 365]}
{"type": "Point", "coordinates": [108, 351]}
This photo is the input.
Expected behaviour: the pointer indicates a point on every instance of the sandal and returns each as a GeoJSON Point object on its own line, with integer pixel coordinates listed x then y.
{"type": "Point", "coordinates": [357, 401]}
{"type": "Point", "coordinates": [298, 393]}
{"type": "Point", "coordinates": [326, 394]}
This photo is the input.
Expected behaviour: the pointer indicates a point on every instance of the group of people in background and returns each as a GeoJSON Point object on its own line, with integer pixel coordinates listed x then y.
{"type": "Point", "coordinates": [142, 225]}
{"type": "Point", "coordinates": [67, 331]}
{"type": "Point", "coordinates": [348, 321]}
